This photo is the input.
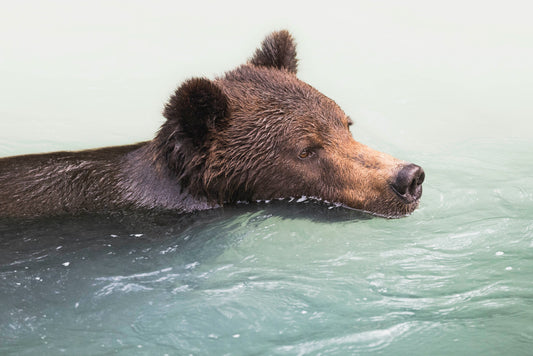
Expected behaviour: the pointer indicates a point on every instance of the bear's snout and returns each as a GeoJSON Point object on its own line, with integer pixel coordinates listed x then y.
{"type": "Point", "coordinates": [408, 182]}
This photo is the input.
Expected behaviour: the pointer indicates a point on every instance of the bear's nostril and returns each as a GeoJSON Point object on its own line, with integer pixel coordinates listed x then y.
{"type": "Point", "coordinates": [408, 182]}
{"type": "Point", "coordinates": [421, 177]}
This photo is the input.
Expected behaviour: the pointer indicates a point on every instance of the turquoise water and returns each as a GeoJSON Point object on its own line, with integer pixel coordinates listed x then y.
{"type": "Point", "coordinates": [286, 278]}
{"type": "Point", "coordinates": [448, 88]}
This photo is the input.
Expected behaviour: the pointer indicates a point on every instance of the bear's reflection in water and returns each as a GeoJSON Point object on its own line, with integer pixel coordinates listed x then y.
{"type": "Point", "coordinates": [27, 240]}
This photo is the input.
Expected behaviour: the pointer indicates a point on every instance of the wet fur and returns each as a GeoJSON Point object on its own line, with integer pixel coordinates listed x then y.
{"type": "Point", "coordinates": [235, 138]}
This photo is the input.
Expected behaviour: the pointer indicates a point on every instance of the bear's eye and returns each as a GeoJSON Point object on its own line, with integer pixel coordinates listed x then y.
{"type": "Point", "coordinates": [306, 154]}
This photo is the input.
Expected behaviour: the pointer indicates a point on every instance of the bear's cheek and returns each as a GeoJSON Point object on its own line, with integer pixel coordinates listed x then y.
{"type": "Point", "coordinates": [294, 179]}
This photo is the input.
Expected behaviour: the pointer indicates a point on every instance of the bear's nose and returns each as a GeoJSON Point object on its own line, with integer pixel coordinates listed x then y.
{"type": "Point", "coordinates": [408, 182]}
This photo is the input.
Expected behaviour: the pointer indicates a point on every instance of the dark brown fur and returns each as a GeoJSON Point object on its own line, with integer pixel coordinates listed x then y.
{"type": "Point", "coordinates": [256, 133]}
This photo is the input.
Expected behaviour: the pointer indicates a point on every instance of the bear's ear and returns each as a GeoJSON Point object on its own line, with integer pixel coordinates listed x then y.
{"type": "Point", "coordinates": [198, 106]}
{"type": "Point", "coordinates": [278, 50]}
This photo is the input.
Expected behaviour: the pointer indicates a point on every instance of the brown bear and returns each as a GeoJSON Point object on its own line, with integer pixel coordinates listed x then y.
{"type": "Point", "coordinates": [255, 133]}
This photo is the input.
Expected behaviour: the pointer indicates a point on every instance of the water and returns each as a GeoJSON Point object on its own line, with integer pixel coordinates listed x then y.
{"type": "Point", "coordinates": [284, 278]}
{"type": "Point", "coordinates": [451, 93]}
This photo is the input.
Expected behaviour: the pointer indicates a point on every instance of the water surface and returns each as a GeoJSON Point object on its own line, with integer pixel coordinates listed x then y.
{"type": "Point", "coordinates": [285, 278]}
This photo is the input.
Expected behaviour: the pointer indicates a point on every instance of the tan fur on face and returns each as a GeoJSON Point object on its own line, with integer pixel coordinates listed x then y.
{"type": "Point", "coordinates": [274, 116]}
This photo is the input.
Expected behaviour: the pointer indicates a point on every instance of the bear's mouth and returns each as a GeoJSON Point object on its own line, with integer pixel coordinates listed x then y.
{"type": "Point", "coordinates": [394, 210]}
{"type": "Point", "coordinates": [397, 205]}
{"type": "Point", "coordinates": [409, 198]}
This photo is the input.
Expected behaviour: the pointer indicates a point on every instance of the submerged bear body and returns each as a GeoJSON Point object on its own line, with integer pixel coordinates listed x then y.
{"type": "Point", "coordinates": [256, 133]}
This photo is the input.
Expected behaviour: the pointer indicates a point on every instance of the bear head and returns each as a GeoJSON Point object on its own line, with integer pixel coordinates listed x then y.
{"type": "Point", "coordinates": [260, 133]}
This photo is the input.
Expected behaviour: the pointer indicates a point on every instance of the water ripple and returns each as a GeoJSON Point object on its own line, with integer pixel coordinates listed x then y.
{"type": "Point", "coordinates": [370, 340]}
